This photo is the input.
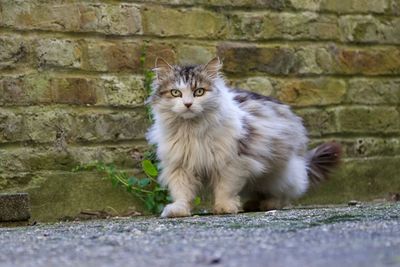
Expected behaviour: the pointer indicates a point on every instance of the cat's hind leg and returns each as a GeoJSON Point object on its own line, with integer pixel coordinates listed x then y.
{"type": "Point", "coordinates": [289, 183]}
{"type": "Point", "coordinates": [251, 200]}
{"type": "Point", "coordinates": [263, 203]}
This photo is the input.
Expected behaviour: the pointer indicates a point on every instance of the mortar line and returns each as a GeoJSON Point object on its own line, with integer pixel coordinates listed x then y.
{"type": "Point", "coordinates": [245, 8]}
{"type": "Point", "coordinates": [355, 135]}
{"type": "Point", "coordinates": [87, 144]}
{"type": "Point", "coordinates": [350, 159]}
{"type": "Point", "coordinates": [76, 73]}
{"type": "Point", "coordinates": [74, 109]}
{"type": "Point", "coordinates": [180, 39]}
{"type": "Point", "coordinates": [229, 75]}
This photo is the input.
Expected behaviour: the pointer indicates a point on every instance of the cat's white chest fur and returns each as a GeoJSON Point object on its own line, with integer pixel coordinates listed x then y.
{"type": "Point", "coordinates": [197, 148]}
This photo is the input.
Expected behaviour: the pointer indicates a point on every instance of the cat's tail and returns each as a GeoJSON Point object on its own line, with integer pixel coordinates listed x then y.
{"type": "Point", "coordinates": [322, 160]}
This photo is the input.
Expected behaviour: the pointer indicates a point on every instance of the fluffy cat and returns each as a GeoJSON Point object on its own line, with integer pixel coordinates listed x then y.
{"type": "Point", "coordinates": [244, 145]}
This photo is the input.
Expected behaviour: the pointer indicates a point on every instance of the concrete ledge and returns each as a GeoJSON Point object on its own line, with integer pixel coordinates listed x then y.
{"type": "Point", "coordinates": [14, 207]}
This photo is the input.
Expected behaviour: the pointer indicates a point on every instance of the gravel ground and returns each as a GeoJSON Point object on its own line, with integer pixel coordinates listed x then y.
{"type": "Point", "coordinates": [366, 235]}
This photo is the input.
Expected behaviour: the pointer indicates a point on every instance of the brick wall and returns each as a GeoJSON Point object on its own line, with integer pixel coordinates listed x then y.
{"type": "Point", "coordinates": [71, 85]}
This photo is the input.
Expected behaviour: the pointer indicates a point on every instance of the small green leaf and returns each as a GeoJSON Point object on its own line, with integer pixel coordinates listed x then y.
{"type": "Point", "coordinates": [160, 207]}
{"type": "Point", "coordinates": [159, 196]}
{"type": "Point", "coordinates": [149, 168]}
{"type": "Point", "coordinates": [169, 198]}
{"type": "Point", "coordinates": [76, 169]}
{"type": "Point", "coordinates": [197, 201]}
{"type": "Point", "coordinates": [114, 182]}
{"type": "Point", "coordinates": [150, 202]}
{"type": "Point", "coordinates": [144, 182]}
{"type": "Point", "coordinates": [132, 180]}
{"type": "Point", "coordinates": [150, 155]}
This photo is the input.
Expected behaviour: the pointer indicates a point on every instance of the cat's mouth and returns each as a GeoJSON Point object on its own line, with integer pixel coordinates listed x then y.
{"type": "Point", "coordinates": [188, 114]}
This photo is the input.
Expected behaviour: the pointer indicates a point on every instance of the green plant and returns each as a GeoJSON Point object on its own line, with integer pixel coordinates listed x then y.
{"type": "Point", "coordinates": [146, 189]}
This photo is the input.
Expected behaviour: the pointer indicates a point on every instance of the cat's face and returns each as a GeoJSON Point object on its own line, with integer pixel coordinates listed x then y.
{"type": "Point", "coordinates": [185, 91]}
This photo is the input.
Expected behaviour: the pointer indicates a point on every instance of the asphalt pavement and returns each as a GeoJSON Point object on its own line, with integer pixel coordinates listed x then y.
{"type": "Point", "coordinates": [362, 235]}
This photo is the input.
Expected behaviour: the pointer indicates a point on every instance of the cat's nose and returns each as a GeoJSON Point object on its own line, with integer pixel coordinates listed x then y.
{"type": "Point", "coordinates": [188, 105]}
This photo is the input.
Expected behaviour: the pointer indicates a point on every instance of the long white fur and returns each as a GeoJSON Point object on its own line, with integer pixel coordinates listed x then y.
{"type": "Point", "coordinates": [201, 146]}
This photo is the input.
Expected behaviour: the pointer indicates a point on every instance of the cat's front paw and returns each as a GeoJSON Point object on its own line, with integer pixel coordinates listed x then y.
{"type": "Point", "coordinates": [176, 209]}
{"type": "Point", "coordinates": [227, 207]}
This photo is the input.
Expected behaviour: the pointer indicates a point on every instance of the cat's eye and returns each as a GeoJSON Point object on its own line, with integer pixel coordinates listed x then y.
{"type": "Point", "coordinates": [176, 93]}
{"type": "Point", "coordinates": [199, 92]}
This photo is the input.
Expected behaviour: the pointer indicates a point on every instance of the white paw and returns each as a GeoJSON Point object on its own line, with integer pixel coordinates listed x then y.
{"type": "Point", "coordinates": [227, 207]}
{"type": "Point", "coordinates": [176, 209]}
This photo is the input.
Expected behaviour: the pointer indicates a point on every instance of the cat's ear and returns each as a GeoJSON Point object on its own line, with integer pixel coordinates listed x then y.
{"type": "Point", "coordinates": [213, 67]}
{"type": "Point", "coordinates": [162, 68]}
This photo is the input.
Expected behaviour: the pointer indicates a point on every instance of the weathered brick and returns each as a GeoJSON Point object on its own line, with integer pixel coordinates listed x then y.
{"type": "Point", "coordinates": [4, 183]}
{"type": "Point", "coordinates": [153, 50]}
{"type": "Point", "coordinates": [369, 120]}
{"type": "Point", "coordinates": [272, 59]}
{"type": "Point", "coordinates": [121, 90]}
{"type": "Point", "coordinates": [368, 61]}
{"type": "Point", "coordinates": [45, 89]}
{"type": "Point", "coordinates": [110, 126]}
{"type": "Point", "coordinates": [34, 15]}
{"type": "Point", "coordinates": [121, 19]}
{"type": "Point", "coordinates": [12, 127]}
{"type": "Point", "coordinates": [192, 22]}
{"type": "Point", "coordinates": [113, 56]}
{"type": "Point", "coordinates": [309, 59]}
{"type": "Point", "coordinates": [74, 91]}
{"type": "Point", "coordinates": [371, 147]}
{"type": "Point", "coordinates": [261, 85]}
{"type": "Point", "coordinates": [297, 92]}
{"type": "Point", "coordinates": [291, 26]}
{"type": "Point", "coordinates": [394, 7]}
{"type": "Point", "coordinates": [29, 159]}
{"type": "Point", "coordinates": [362, 147]}
{"type": "Point", "coordinates": [318, 121]}
{"type": "Point", "coordinates": [59, 126]}
{"type": "Point", "coordinates": [373, 91]}
{"type": "Point", "coordinates": [42, 88]}
{"type": "Point", "coordinates": [119, 55]}
{"type": "Point", "coordinates": [122, 156]}
{"type": "Point", "coordinates": [80, 17]}
{"type": "Point", "coordinates": [239, 58]}
{"type": "Point", "coordinates": [14, 51]}
{"type": "Point", "coordinates": [307, 92]}
{"type": "Point", "coordinates": [59, 53]}
{"type": "Point", "coordinates": [357, 28]}
{"type": "Point", "coordinates": [195, 54]}
{"type": "Point", "coordinates": [340, 7]}
{"type": "Point", "coordinates": [25, 90]}
{"type": "Point", "coordinates": [353, 6]}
